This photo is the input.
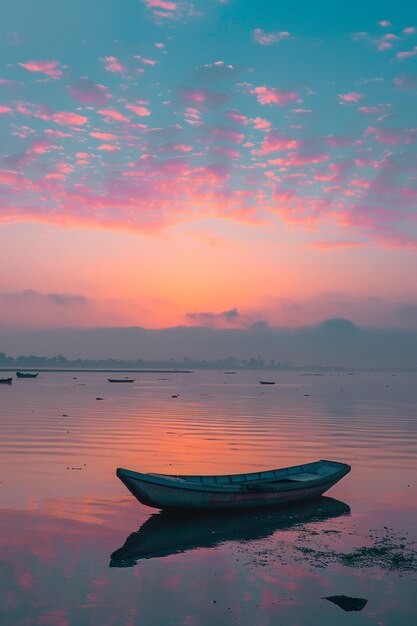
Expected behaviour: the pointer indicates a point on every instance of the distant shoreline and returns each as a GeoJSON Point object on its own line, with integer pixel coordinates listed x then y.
{"type": "Point", "coordinates": [306, 370]}
{"type": "Point", "coordinates": [91, 369]}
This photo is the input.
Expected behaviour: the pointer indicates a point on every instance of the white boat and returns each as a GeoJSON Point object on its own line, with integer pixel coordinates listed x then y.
{"type": "Point", "coordinates": [234, 491]}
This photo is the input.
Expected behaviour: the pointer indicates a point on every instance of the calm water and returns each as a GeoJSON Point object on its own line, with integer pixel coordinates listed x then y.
{"type": "Point", "coordinates": [69, 550]}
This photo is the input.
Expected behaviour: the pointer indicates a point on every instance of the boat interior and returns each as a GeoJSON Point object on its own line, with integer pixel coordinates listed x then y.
{"type": "Point", "coordinates": [297, 473]}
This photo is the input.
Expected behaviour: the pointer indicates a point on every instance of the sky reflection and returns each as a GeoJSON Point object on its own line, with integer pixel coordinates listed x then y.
{"type": "Point", "coordinates": [60, 527]}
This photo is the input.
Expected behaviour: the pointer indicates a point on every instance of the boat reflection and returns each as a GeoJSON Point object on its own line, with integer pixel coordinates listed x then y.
{"type": "Point", "coordinates": [167, 533]}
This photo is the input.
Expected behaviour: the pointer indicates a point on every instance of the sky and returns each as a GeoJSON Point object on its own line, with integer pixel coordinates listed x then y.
{"type": "Point", "coordinates": [215, 163]}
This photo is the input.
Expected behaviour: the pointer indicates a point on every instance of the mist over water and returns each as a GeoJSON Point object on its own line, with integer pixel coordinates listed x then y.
{"type": "Point", "coordinates": [65, 517]}
{"type": "Point", "coordinates": [335, 342]}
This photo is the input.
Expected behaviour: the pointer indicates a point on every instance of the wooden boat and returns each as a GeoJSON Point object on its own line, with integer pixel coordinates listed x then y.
{"type": "Point", "coordinates": [27, 374]}
{"type": "Point", "coordinates": [121, 380]}
{"type": "Point", "coordinates": [169, 532]}
{"type": "Point", "coordinates": [267, 382]}
{"type": "Point", "coordinates": [6, 381]}
{"type": "Point", "coordinates": [234, 491]}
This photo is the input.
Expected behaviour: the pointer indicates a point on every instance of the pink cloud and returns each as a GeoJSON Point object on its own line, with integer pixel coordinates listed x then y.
{"type": "Point", "coordinates": [206, 97]}
{"type": "Point", "coordinates": [222, 133]}
{"type": "Point", "coordinates": [103, 136]}
{"type": "Point", "coordinates": [64, 168]}
{"type": "Point", "coordinates": [366, 162]}
{"type": "Point", "coordinates": [87, 92]}
{"type": "Point", "coordinates": [37, 147]}
{"type": "Point", "coordinates": [56, 133]}
{"type": "Point", "coordinates": [268, 95]}
{"type": "Point", "coordinates": [22, 131]}
{"type": "Point", "coordinates": [10, 177]}
{"type": "Point", "coordinates": [161, 4]}
{"type": "Point", "coordinates": [112, 114]}
{"type": "Point", "coordinates": [296, 159]}
{"type": "Point", "coordinates": [164, 14]}
{"type": "Point", "coordinates": [193, 116]}
{"type": "Point", "coordinates": [106, 147]}
{"type": "Point", "coordinates": [5, 109]}
{"type": "Point", "coordinates": [409, 30]}
{"type": "Point", "coordinates": [43, 112]}
{"type": "Point", "coordinates": [266, 39]}
{"type": "Point", "coordinates": [176, 188]}
{"type": "Point", "coordinates": [407, 55]}
{"type": "Point", "coordinates": [301, 111]}
{"type": "Point", "coordinates": [384, 24]}
{"type": "Point", "coordinates": [377, 109]}
{"type": "Point", "coordinates": [237, 117]}
{"type": "Point", "coordinates": [384, 45]}
{"type": "Point", "coordinates": [40, 146]}
{"type": "Point", "coordinates": [139, 110]}
{"type": "Point", "coordinates": [275, 142]}
{"type": "Point", "coordinates": [49, 68]}
{"type": "Point", "coordinates": [168, 10]}
{"type": "Point", "coordinates": [144, 60]}
{"type": "Point", "coordinates": [8, 82]}
{"type": "Point", "coordinates": [407, 82]}
{"type": "Point", "coordinates": [112, 64]}
{"type": "Point", "coordinates": [352, 96]}
{"type": "Point", "coordinates": [180, 147]}
{"type": "Point", "coordinates": [386, 136]}
{"type": "Point", "coordinates": [259, 123]}
{"type": "Point", "coordinates": [336, 173]}
{"type": "Point", "coordinates": [67, 117]}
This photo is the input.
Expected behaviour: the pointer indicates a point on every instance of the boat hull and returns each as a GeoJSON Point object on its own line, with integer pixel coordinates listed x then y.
{"type": "Point", "coordinates": [163, 495]}
{"type": "Point", "coordinates": [26, 375]}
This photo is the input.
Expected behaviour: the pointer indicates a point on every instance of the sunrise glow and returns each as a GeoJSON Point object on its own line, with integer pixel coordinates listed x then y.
{"type": "Point", "coordinates": [174, 159]}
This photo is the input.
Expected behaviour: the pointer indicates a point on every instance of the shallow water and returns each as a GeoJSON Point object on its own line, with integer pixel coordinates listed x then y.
{"type": "Point", "coordinates": [68, 555]}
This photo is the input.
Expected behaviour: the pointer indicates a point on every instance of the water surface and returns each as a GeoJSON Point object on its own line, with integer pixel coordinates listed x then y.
{"type": "Point", "coordinates": [77, 549]}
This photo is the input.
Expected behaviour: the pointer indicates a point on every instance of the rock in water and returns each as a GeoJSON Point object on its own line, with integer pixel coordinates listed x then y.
{"type": "Point", "coordinates": [347, 603]}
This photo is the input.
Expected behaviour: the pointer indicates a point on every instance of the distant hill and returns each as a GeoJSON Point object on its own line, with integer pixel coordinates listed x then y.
{"type": "Point", "coordinates": [335, 343]}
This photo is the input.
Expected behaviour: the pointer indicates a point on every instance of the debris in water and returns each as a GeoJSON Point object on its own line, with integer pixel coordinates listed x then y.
{"type": "Point", "coordinates": [347, 603]}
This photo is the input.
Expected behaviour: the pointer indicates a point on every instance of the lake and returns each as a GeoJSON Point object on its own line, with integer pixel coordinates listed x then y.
{"type": "Point", "coordinates": [77, 549]}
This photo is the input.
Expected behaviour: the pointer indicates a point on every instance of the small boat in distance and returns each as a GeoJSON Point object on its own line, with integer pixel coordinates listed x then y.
{"type": "Point", "coordinates": [121, 380]}
{"type": "Point", "coordinates": [267, 382]}
{"type": "Point", "coordinates": [234, 491]}
{"type": "Point", "coordinates": [6, 381]}
{"type": "Point", "coordinates": [27, 374]}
